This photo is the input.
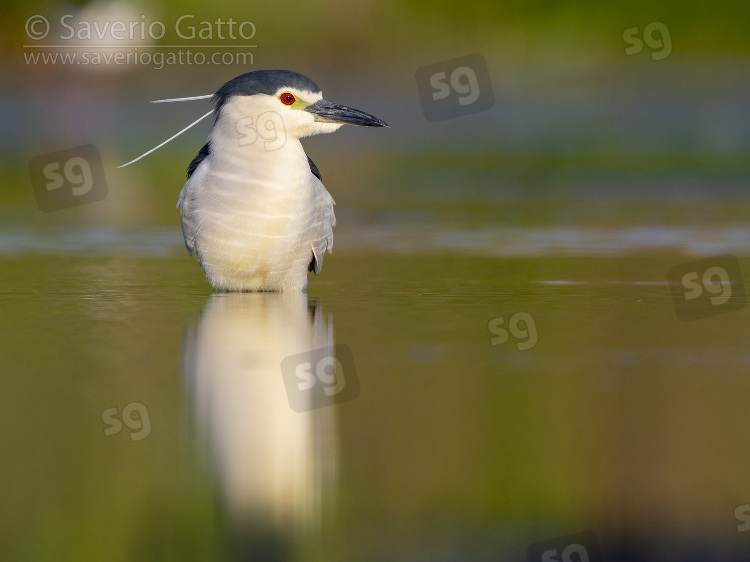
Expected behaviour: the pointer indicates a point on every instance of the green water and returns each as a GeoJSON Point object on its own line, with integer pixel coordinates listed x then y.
{"type": "Point", "coordinates": [497, 356]}
{"type": "Point", "coordinates": [616, 419]}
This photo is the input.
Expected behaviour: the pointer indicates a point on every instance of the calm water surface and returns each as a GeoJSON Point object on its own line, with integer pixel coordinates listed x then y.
{"type": "Point", "coordinates": [477, 405]}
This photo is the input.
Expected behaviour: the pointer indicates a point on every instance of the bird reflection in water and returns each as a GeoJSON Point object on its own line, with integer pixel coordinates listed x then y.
{"type": "Point", "coordinates": [275, 467]}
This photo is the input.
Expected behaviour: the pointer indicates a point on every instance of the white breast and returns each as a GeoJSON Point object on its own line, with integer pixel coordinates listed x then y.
{"type": "Point", "coordinates": [255, 216]}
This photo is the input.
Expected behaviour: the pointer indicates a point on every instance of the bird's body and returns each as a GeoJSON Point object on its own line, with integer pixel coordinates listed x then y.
{"type": "Point", "coordinates": [254, 209]}
{"type": "Point", "coordinates": [257, 223]}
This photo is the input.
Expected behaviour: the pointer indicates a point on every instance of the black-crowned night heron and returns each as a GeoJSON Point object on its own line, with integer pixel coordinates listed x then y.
{"type": "Point", "coordinates": [254, 209]}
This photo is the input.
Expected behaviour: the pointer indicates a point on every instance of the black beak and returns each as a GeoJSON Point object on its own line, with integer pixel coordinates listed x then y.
{"type": "Point", "coordinates": [327, 112]}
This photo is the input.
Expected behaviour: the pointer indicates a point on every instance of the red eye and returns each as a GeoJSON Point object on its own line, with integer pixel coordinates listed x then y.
{"type": "Point", "coordinates": [287, 98]}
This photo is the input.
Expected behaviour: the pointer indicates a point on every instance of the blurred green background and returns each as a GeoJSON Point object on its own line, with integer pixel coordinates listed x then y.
{"type": "Point", "coordinates": [594, 172]}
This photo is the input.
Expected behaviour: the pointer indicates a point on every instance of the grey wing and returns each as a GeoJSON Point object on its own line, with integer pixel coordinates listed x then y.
{"type": "Point", "coordinates": [189, 223]}
{"type": "Point", "coordinates": [323, 228]}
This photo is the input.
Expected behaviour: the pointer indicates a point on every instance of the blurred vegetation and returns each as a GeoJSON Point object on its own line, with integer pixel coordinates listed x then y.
{"type": "Point", "coordinates": [568, 100]}
{"type": "Point", "coordinates": [372, 26]}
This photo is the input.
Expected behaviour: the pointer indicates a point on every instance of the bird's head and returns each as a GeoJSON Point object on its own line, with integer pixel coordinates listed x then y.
{"type": "Point", "coordinates": [268, 103]}
{"type": "Point", "coordinates": [271, 106]}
